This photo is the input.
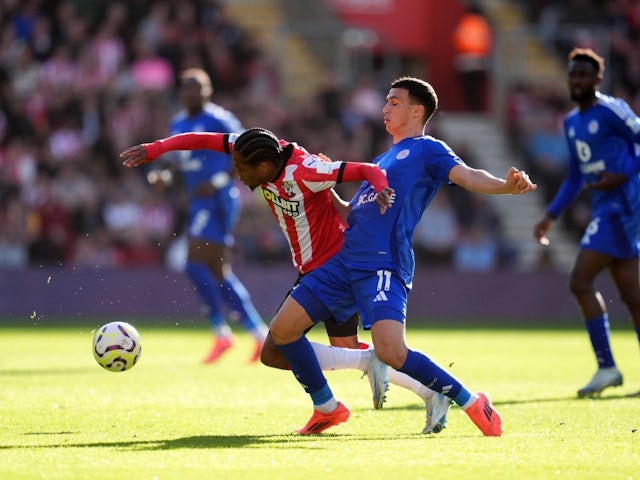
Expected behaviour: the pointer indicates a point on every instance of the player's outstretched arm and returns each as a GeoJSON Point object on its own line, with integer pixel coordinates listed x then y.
{"type": "Point", "coordinates": [148, 152]}
{"type": "Point", "coordinates": [476, 180]}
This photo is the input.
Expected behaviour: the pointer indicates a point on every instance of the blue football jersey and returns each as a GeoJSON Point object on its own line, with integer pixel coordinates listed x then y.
{"type": "Point", "coordinates": [198, 166]}
{"type": "Point", "coordinates": [603, 138]}
{"type": "Point", "coordinates": [415, 168]}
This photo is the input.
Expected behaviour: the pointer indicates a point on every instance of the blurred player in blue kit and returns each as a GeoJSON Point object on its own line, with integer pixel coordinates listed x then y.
{"type": "Point", "coordinates": [373, 272]}
{"type": "Point", "coordinates": [602, 133]}
{"type": "Point", "coordinates": [213, 213]}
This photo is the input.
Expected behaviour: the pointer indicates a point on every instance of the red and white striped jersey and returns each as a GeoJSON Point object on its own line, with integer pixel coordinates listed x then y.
{"type": "Point", "coordinates": [299, 198]}
{"type": "Point", "coordinates": [300, 201]}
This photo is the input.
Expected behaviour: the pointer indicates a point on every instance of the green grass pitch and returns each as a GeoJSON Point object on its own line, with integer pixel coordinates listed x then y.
{"type": "Point", "coordinates": [170, 417]}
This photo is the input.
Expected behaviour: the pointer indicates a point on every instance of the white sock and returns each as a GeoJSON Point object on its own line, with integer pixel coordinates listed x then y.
{"type": "Point", "coordinates": [472, 399]}
{"type": "Point", "coordinates": [405, 381]}
{"type": "Point", "coordinates": [328, 406]}
{"type": "Point", "coordinates": [223, 331]}
{"type": "Point", "coordinates": [337, 358]}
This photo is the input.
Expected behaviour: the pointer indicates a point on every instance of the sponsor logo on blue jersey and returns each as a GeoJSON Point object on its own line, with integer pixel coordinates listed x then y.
{"type": "Point", "coordinates": [366, 198]}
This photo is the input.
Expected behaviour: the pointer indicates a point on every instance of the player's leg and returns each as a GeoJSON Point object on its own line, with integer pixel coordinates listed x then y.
{"type": "Point", "coordinates": [345, 335]}
{"type": "Point", "coordinates": [354, 354]}
{"type": "Point", "coordinates": [287, 330]}
{"type": "Point", "coordinates": [383, 300]}
{"type": "Point", "coordinates": [206, 286]}
{"type": "Point", "coordinates": [389, 342]}
{"type": "Point", "coordinates": [588, 265]}
{"type": "Point", "coordinates": [218, 231]}
{"type": "Point", "coordinates": [626, 275]}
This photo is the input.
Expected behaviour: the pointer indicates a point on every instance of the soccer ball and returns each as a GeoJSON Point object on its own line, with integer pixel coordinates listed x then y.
{"type": "Point", "coordinates": [117, 346]}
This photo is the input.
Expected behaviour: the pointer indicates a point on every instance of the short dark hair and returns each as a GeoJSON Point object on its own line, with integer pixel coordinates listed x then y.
{"type": "Point", "coordinates": [259, 145]}
{"type": "Point", "coordinates": [588, 55]}
{"type": "Point", "coordinates": [420, 92]}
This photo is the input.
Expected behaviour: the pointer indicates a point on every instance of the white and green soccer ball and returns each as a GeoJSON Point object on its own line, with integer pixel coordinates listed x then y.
{"type": "Point", "coordinates": [117, 346]}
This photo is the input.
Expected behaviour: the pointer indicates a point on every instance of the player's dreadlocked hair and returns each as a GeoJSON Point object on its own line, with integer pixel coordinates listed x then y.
{"type": "Point", "coordinates": [259, 145]}
{"type": "Point", "coordinates": [588, 55]}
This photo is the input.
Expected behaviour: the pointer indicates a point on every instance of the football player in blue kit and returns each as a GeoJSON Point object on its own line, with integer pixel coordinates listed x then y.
{"type": "Point", "coordinates": [602, 133]}
{"type": "Point", "coordinates": [213, 213]}
{"type": "Point", "coordinates": [373, 272]}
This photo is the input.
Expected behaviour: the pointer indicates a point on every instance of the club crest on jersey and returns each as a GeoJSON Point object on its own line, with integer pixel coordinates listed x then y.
{"type": "Point", "coordinates": [403, 154]}
{"type": "Point", "coordinates": [289, 188]}
{"type": "Point", "coordinates": [593, 127]}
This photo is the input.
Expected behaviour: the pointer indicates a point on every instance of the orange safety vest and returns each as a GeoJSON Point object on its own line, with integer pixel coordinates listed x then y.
{"type": "Point", "coordinates": [472, 35]}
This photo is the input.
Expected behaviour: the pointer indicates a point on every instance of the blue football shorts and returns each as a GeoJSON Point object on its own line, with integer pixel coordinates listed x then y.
{"type": "Point", "coordinates": [338, 289]}
{"type": "Point", "coordinates": [613, 234]}
{"type": "Point", "coordinates": [214, 218]}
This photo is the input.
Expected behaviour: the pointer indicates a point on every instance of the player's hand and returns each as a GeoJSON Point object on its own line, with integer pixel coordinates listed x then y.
{"type": "Point", "coordinates": [135, 156]}
{"type": "Point", "coordinates": [518, 182]}
{"type": "Point", "coordinates": [607, 181]}
{"type": "Point", "coordinates": [541, 229]}
{"type": "Point", "coordinates": [385, 199]}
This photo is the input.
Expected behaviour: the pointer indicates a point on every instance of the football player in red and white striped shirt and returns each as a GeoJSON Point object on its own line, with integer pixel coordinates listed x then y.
{"type": "Point", "coordinates": [297, 186]}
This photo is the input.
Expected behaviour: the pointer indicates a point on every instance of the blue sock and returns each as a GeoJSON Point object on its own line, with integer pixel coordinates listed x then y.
{"type": "Point", "coordinates": [305, 367]}
{"type": "Point", "coordinates": [207, 290]}
{"type": "Point", "coordinates": [417, 365]}
{"type": "Point", "coordinates": [599, 334]}
{"type": "Point", "coordinates": [235, 294]}
{"type": "Point", "coordinates": [638, 334]}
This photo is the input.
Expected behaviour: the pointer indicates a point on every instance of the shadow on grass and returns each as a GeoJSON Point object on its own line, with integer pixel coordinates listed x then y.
{"type": "Point", "coordinates": [291, 440]}
{"type": "Point", "coordinates": [525, 401]}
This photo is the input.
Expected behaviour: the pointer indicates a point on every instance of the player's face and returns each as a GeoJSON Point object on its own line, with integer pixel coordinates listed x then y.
{"type": "Point", "coordinates": [583, 81]}
{"type": "Point", "coordinates": [399, 111]}
{"type": "Point", "coordinates": [191, 94]}
{"type": "Point", "coordinates": [252, 175]}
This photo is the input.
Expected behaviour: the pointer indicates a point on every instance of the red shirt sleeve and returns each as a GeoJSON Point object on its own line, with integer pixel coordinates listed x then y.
{"type": "Point", "coordinates": [218, 142]}
{"type": "Point", "coordinates": [354, 171]}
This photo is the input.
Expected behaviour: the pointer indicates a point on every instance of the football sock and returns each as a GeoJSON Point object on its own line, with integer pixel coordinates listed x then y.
{"type": "Point", "coordinates": [236, 296]}
{"type": "Point", "coordinates": [638, 334]}
{"type": "Point", "coordinates": [599, 335]}
{"type": "Point", "coordinates": [472, 399]}
{"type": "Point", "coordinates": [223, 330]}
{"type": "Point", "coordinates": [417, 365]}
{"type": "Point", "coordinates": [204, 282]}
{"type": "Point", "coordinates": [328, 406]}
{"type": "Point", "coordinates": [306, 369]}
{"type": "Point", "coordinates": [405, 381]}
{"type": "Point", "coordinates": [336, 358]}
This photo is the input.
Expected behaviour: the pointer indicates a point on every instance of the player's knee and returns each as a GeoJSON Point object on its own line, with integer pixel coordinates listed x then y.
{"type": "Point", "coordinates": [273, 358]}
{"type": "Point", "coordinates": [579, 287]}
{"type": "Point", "coordinates": [394, 356]}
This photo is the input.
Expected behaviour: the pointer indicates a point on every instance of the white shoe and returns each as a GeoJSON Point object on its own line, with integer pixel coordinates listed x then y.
{"type": "Point", "coordinates": [437, 409]}
{"type": "Point", "coordinates": [603, 378]}
{"type": "Point", "coordinates": [378, 380]}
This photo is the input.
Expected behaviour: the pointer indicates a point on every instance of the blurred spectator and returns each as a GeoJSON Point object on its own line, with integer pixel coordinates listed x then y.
{"type": "Point", "coordinates": [472, 43]}
{"type": "Point", "coordinates": [476, 249]}
{"type": "Point", "coordinates": [83, 80]}
{"type": "Point", "coordinates": [436, 234]}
